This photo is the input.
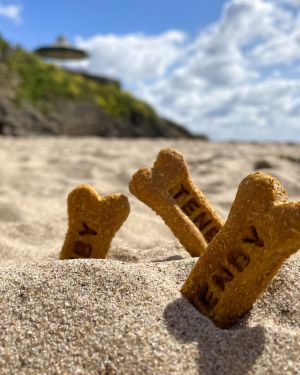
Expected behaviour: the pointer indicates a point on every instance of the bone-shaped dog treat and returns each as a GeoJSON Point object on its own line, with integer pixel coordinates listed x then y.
{"type": "Point", "coordinates": [93, 222]}
{"type": "Point", "coordinates": [169, 190]}
{"type": "Point", "coordinates": [262, 230]}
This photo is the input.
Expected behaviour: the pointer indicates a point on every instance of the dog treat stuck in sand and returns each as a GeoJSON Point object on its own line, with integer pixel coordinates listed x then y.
{"type": "Point", "coordinates": [93, 222]}
{"type": "Point", "coordinates": [262, 230]}
{"type": "Point", "coordinates": [169, 190]}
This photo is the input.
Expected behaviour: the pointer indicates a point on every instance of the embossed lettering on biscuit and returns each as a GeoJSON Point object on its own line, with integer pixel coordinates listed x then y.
{"type": "Point", "coordinates": [168, 189]}
{"type": "Point", "coordinates": [93, 222]}
{"type": "Point", "coordinates": [262, 230]}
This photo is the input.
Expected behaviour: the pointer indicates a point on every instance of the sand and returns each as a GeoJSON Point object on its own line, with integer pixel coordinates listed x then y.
{"type": "Point", "coordinates": [125, 315]}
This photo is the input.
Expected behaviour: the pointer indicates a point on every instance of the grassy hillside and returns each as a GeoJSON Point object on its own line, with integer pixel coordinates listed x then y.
{"type": "Point", "coordinates": [40, 98]}
{"type": "Point", "coordinates": [42, 84]}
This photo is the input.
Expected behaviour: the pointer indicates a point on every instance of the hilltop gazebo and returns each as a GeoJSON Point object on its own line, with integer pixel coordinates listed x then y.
{"type": "Point", "coordinates": [61, 50]}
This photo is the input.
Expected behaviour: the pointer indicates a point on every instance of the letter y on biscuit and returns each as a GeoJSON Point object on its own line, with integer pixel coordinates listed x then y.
{"type": "Point", "coordinates": [262, 230]}
{"type": "Point", "coordinates": [93, 222]}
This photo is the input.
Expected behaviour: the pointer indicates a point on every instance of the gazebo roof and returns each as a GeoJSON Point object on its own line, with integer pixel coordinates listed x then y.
{"type": "Point", "coordinates": [61, 50]}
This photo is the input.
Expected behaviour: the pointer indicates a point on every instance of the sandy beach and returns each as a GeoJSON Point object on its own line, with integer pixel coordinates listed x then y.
{"type": "Point", "coordinates": [125, 315]}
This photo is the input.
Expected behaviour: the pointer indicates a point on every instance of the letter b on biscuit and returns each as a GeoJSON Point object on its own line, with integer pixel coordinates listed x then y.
{"type": "Point", "coordinates": [93, 222]}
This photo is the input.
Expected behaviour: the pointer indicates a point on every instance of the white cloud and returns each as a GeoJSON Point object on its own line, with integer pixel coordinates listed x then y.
{"type": "Point", "coordinates": [289, 2]}
{"type": "Point", "coordinates": [238, 78]}
{"type": "Point", "coordinates": [133, 57]}
{"type": "Point", "coordinates": [283, 48]}
{"type": "Point", "coordinates": [12, 12]}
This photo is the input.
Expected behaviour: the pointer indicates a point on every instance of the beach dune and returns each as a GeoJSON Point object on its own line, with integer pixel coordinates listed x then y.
{"type": "Point", "coordinates": [125, 315]}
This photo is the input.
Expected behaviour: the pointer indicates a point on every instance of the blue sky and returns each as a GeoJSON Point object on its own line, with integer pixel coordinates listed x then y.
{"type": "Point", "coordinates": [230, 69]}
{"type": "Point", "coordinates": [41, 21]}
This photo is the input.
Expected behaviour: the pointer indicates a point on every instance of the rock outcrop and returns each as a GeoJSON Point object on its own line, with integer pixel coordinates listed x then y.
{"type": "Point", "coordinates": [40, 99]}
{"type": "Point", "coordinates": [81, 119]}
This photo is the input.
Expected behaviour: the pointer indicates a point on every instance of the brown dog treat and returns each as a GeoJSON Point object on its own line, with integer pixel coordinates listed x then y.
{"type": "Point", "coordinates": [93, 222]}
{"type": "Point", "coordinates": [262, 230]}
{"type": "Point", "coordinates": [169, 190]}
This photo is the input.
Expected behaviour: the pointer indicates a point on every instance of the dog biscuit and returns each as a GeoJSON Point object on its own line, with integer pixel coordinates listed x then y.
{"type": "Point", "coordinates": [93, 222]}
{"type": "Point", "coordinates": [262, 230]}
{"type": "Point", "coordinates": [168, 189]}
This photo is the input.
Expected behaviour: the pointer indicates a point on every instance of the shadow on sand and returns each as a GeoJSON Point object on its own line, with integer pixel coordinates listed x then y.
{"type": "Point", "coordinates": [221, 351]}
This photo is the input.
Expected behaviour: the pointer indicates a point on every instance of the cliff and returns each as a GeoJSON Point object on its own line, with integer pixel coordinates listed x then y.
{"type": "Point", "coordinates": [39, 99]}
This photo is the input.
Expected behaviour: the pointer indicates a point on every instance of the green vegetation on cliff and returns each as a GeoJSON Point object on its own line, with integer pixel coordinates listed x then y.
{"type": "Point", "coordinates": [39, 98]}
{"type": "Point", "coordinates": [43, 84]}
